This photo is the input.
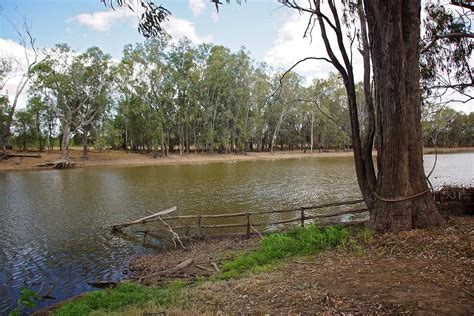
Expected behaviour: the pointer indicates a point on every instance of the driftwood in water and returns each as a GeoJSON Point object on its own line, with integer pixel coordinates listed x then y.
{"type": "Point", "coordinates": [47, 295]}
{"type": "Point", "coordinates": [143, 220]}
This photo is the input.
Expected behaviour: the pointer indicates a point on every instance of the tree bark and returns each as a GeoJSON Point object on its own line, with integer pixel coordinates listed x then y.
{"type": "Point", "coordinates": [85, 140]}
{"type": "Point", "coordinates": [65, 141]}
{"type": "Point", "coordinates": [312, 131]}
{"type": "Point", "coordinates": [394, 29]}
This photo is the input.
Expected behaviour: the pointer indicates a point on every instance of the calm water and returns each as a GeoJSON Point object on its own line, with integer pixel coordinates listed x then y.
{"type": "Point", "coordinates": [54, 225]}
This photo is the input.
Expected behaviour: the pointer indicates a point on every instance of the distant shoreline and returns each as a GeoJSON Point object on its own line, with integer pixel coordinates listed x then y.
{"type": "Point", "coordinates": [121, 158]}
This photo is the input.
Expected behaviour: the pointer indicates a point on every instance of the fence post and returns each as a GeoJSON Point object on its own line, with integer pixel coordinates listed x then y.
{"type": "Point", "coordinates": [248, 225]}
{"type": "Point", "coordinates": [302, 217]}
{"type": "Point", "coordinates": [199, 226]}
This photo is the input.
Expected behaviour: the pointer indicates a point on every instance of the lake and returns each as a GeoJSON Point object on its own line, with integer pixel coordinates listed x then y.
{"type": "Point", "coordinates": [55, 224]}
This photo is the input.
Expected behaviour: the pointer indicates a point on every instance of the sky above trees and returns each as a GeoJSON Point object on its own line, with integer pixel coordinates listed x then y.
{"type": "Point", "coordinates": [271, 33]}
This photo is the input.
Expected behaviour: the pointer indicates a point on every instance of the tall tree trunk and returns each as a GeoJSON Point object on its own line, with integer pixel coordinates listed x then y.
{"type": "Point", "coordinates": [369, 104]}
{"type": "Point", "coordinates": [312, 131]}
{"type": "Point", "coordinates": [65, 141]}
{"type": "Point", "coordinates": [3, 140]}
{"type": "Point", "coordinates": [402, 200]}
{"type": "Point", "coordinates": [85, 140]}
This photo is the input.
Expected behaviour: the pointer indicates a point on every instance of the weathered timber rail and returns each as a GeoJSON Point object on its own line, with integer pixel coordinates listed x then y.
{"type": "Point", "coordinates": [248, 223]}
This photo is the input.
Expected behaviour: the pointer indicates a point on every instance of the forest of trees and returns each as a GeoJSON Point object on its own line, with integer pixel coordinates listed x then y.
{"type": "Point", "coordinates": [166, 97]}
{"type": "Point", "coordinates": [163, 97]}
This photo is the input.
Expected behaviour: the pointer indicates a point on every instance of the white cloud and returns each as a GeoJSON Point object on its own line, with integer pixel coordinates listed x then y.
{"type": "Point", "coordinates": [102, 20]}
{"type": "Point", "coordinates": [290, 46]}
{"type": "Point", "coordinates": [179, 28]}
{"type": "Point", "coordinates": [197, 6]}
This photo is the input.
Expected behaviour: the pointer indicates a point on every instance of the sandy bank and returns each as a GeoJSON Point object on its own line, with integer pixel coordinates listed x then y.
{"type": "Point", "coordinates": [122, 158]}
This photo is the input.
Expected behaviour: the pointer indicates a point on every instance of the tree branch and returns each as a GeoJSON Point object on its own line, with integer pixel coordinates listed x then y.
{"type": "Point", "coordinates": [446, 35]}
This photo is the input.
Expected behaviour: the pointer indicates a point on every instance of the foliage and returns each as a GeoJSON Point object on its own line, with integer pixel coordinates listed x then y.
{"type": "Point", "coordinates": [163, 96]}
{"type": "Point", "coordinates": [446, 127]}
{"type": "Point", "coordinates": [124, 296]}
{"type": "Point", "coordinates": [300, 241]}
{"type": "Point", "coordinates": [447, 43]}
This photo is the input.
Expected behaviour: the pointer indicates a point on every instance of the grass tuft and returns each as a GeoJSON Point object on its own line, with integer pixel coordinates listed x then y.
{"type": "Point", "coordinates": [126, 295]}
{"type": "Point", "coordinates": [300, 241]}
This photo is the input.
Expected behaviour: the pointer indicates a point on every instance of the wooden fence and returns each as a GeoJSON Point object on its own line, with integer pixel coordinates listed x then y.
{"type": "Point", "coordinates": [248, 218]}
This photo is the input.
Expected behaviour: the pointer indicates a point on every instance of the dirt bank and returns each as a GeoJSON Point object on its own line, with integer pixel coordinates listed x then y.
{"type": "Point", "coordinates": [122, 158]}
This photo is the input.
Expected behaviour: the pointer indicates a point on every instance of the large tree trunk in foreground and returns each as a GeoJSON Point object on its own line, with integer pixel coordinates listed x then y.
{"type": "Point", "coordinates": [402, 199]}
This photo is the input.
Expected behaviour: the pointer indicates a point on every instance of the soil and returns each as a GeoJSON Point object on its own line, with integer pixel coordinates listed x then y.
{"type": "Point", "coordinates": [426, 272]}
{"type": "Point", "coordinates": [122, 158]}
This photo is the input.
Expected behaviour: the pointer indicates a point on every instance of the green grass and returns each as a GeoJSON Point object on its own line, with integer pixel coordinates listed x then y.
{"type": "Point", "coordinates": [125, 296]}
{"type": "Point", "coordinates": [299, 241]}
{"type": "Point", "coordinates": [134, 299]}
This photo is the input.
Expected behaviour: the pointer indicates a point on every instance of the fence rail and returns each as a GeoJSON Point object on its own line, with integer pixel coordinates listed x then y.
{"type": "Point", "coordinates": [248, 224]}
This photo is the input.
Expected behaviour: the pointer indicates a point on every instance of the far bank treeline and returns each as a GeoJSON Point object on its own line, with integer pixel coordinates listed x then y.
{"type": "Point", "coordinates": [163, 97]}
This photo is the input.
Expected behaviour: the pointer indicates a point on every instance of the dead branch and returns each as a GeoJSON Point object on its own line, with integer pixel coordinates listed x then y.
{"type": "Point", "coordinates": [175, 235]}
{"type": "Point", "coordinates": [168, 272]}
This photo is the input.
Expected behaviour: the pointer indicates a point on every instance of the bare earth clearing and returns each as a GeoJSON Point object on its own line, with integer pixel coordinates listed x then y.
{"type": "Point", "coordinates": [122, 158]}
{"type": "Point", "coordinates": [416, 272]}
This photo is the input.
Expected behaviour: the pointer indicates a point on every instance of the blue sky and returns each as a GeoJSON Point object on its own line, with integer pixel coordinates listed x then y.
{"type": "Point", "coordinates": [254, 24]}
{"type": "Point", "coordinates": [270, 32]}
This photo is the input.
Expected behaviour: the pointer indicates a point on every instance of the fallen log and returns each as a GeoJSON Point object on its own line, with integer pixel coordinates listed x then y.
{"type": "Point", "coordinates": [143, 220]}
{"type": "Point", "coordinates": [102, 284]}
{"type": "Point", "coordinates": [12, 155]}
{"type": "Point", "coordinates": [166, 273]}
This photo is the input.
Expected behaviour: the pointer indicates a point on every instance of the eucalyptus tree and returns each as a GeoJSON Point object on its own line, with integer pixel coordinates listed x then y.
{"type": "Point", "coordinates": [240, 100]}
{"type": "Point", "coordinates": [39, 115]}
{"type": "Point", "coordinates": [256, 125]}
{"type": "Point", "coordinates": [182, 80]}
{"type": "Point", "coordinates": [287, 100]}
{"type": "Point", "coordinates": [390, 34]}
{"type": "Point", "coordinates": [59, 80]}
{"type": "Point", "coordinates": [22, 69]}
{"type": "Point", "coordinates": [216, 85]}
{"type": "Point", "coordinates": [23, 128]}
{"type": "Point", "coordinates": [151, 72]}
{"type": "Point", "coordinates": [95, 82]}
{"type": "Point", "coordinates": [124, 84]}
{"type": "Point", "coordinates": [446, 50]}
